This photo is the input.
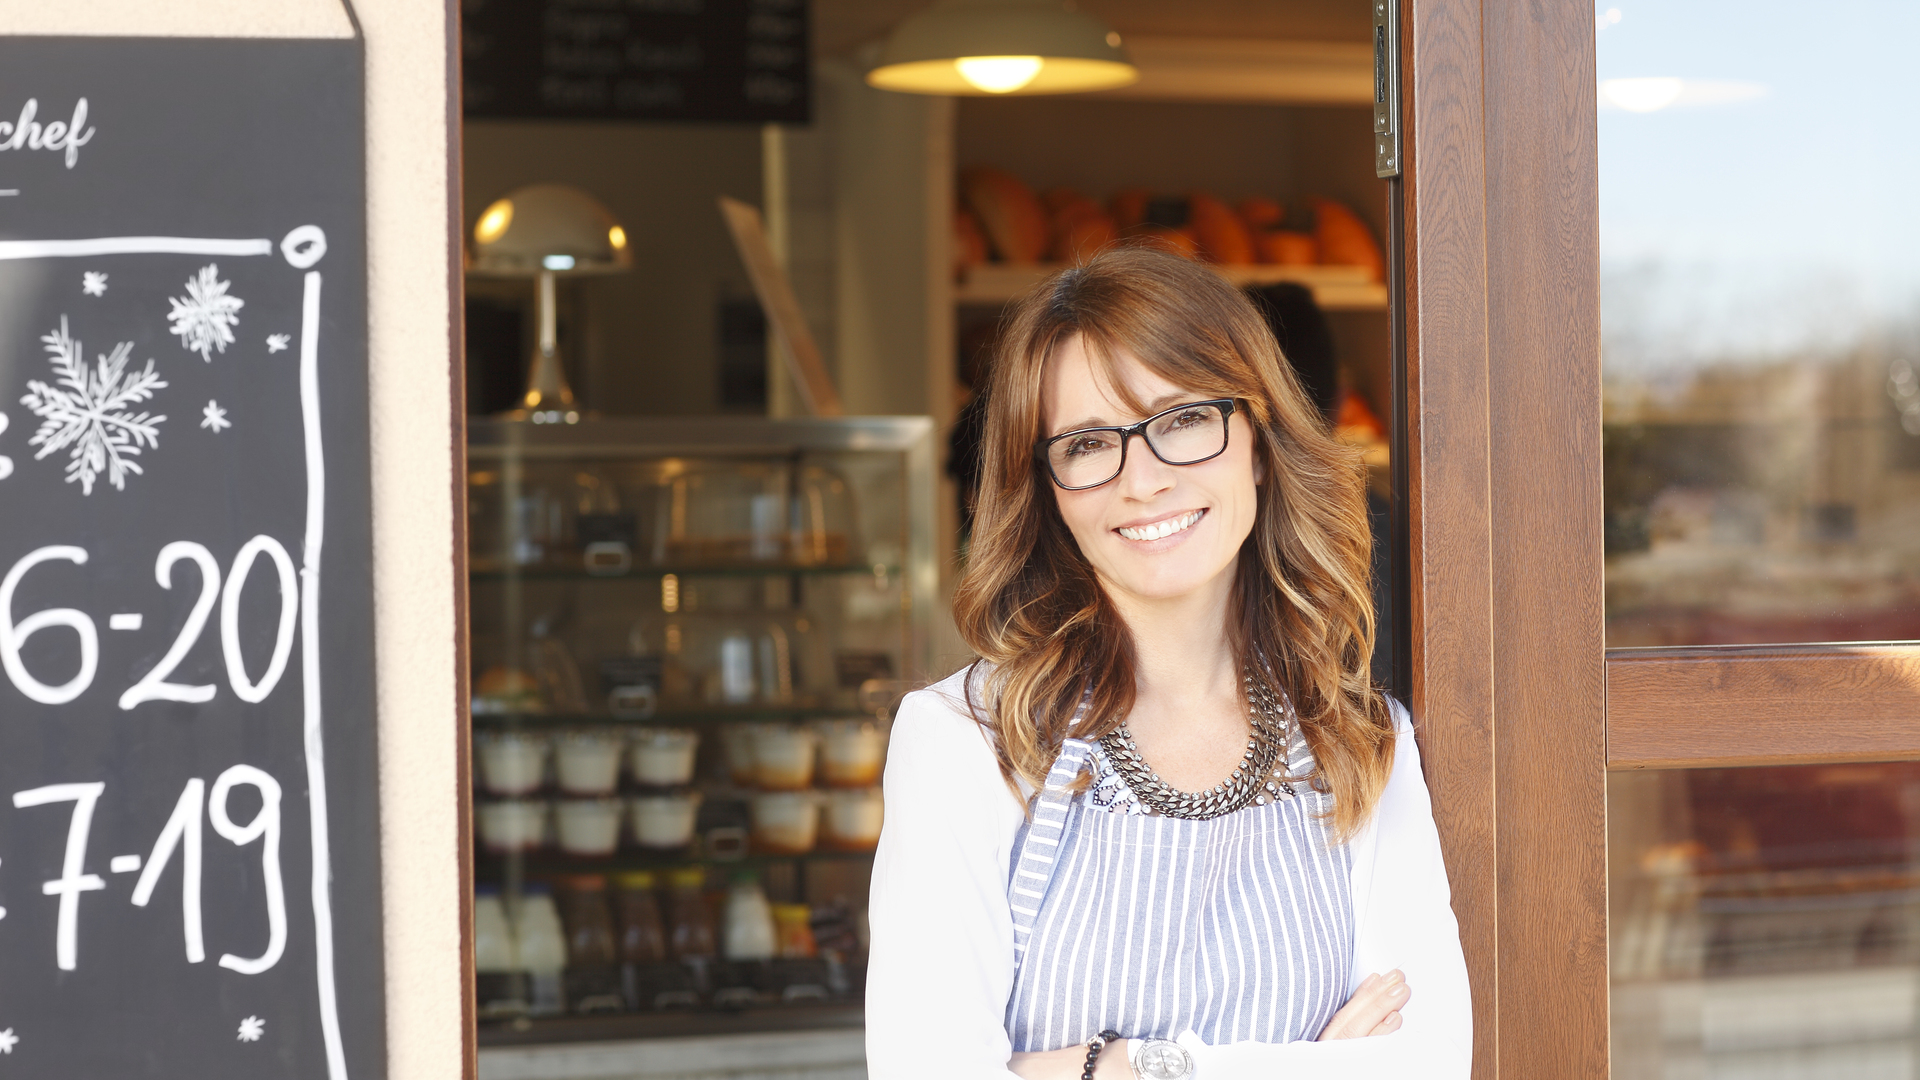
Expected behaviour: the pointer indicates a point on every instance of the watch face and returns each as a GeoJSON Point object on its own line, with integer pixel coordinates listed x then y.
{"type": "Point", "coordinates": [1162, 1060]}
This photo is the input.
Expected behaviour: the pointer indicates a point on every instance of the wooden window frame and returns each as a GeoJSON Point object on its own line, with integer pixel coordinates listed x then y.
{"type": "Point", "coordinates": [1498, 328]}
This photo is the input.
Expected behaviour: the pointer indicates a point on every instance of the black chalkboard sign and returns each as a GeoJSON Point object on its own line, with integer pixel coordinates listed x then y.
{"type": "Point", "coordinates": [718, 60]}
{"type": "Point", "coordinates": [189, 843]}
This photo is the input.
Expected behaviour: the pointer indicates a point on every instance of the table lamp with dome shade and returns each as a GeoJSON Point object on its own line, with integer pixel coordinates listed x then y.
{"type": "Point", "coordinates": [547, 231]}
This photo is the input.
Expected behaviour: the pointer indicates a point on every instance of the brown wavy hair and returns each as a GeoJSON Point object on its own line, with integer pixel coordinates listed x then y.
{"type": "Point", "coordinates": [1302, 610]}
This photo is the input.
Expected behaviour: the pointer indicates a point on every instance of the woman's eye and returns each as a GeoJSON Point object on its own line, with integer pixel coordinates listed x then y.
{"type": "Point", "coordinates": [1191, 417]}
{"type": "Point", "coordinates": [1088, 444]}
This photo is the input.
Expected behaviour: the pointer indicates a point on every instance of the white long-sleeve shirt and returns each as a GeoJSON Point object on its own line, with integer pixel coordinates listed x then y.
{"type": "Point", "coordinates": [941, 964]}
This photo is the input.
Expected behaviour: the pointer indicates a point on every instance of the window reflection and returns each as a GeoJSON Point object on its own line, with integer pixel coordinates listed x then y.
{"type": "Point", "coordinates": [1766, 922]}
{"type": "Point", "coordinates": [1760, 321]}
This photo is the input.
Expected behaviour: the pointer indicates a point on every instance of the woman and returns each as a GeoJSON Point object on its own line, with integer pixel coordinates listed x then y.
{"type": "Point", "coordinates": [1164, 827]}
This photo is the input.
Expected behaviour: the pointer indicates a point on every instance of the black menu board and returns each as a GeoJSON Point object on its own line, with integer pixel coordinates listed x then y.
{"type": "Point", "coordinates": [189, 842]}
{"type": "Point", "coordinates": [718, 60]}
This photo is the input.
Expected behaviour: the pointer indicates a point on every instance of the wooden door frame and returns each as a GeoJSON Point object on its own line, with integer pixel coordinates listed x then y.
{"type": "Point", "coordinates": [1499, 305]}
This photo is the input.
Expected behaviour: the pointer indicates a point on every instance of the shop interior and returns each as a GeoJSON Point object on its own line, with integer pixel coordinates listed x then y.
{"type": "Point", "coordinates": [695, 600]}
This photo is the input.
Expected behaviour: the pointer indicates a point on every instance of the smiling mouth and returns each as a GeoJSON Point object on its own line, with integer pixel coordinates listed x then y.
{"type": "Point", "coordinates": [1161, 529]}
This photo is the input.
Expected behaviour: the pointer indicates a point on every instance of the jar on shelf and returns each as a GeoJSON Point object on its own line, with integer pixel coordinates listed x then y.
{"type": "Point", "coordinates": [749, 923]}
{"type": "Point", "coordinates": [555, 671]}
{"type": "Point", "coordinates": [785, 822]}
{"type": "Point", "coordinates": [737, 742]}
{"type": "Point", "coordinates": [587, 760]}
{"type": "Point", "coordinates": [852, 752]}
{"type": "Point", "coordinates": [643, 938]}
{"type": "Point", "coordinates": [783, 756]}
{"type": "Point", "coordinates": [664, 820]}
{"type": "Point", "coordinates": [512, 762]}
{"type": "Point", "coordinates": [663, 756]}
{"type": "Point", "coordinates": [500, 988]}
{"type": "Point", "coordinates": [825, 522]}
{"type": "Point", "coordinates": [646, 979]}
{"type": "Point", "coordinates": [537, 514]}
{"type": "Point", "coordinates": [588, 826]}
{"type": "Point", "coordinates": [853, 818]}
{"type": "Point", "coordinates": [720, 512]}
{"type": "Point", "coordinates": [487, 542]}
{"type": "Point", "coordinates": [543, 951]}
{"type": "Point", "coordinates": [592, 973]}
{"type": "Point", "coordinates": [690, 919]}
{"type": "Point", "coordinates": [605, 531]}
{"type": "Point", "coordinates": [793, 932]}
{"type": "Point", "coordinates": [509, 826]}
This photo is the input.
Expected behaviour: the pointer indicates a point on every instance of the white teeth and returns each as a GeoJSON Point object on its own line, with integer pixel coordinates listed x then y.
{"type": "Point", "coordinates": [1161, 528]}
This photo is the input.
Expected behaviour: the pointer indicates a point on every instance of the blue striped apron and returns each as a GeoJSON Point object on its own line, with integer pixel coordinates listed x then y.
{"type": "Point", "coordinates": [1236, 928]}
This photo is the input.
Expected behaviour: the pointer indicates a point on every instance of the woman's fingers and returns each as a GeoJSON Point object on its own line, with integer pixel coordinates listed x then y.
{"type": "Point", "coordinates": [1378, 998]}
{"type": "Point", "coordinates": [1388, 1026]}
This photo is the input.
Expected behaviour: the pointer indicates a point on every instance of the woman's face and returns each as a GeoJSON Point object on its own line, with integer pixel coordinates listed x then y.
{"type": "Point", "coordinates": [1156, 532]}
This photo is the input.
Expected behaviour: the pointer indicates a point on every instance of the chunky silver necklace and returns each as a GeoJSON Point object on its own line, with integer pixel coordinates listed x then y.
{"type": "Point", "coordinates": [1255, 781]}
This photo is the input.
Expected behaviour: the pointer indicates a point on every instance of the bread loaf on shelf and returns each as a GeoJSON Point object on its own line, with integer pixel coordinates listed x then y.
{"type": "Point", "coordinates": [1261, 213]}
{"type": "Point", "coordinates": [1129, 207]}
{"type": "Point", "coordinates": [969, 243]}
{"type": "Point", "coordinates": [1283, 247]}
{"type": "Point", "coordinates": [1009, 212]}
{"type": "Point", "coordinates": [1223, 237]}
{"type": "Point", "coordinates": [1178, 241]}
{"type": "Point", "coordinates": [1345, 240]}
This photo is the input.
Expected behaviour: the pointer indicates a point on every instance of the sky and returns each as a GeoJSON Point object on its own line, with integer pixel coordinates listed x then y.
{"type": "Point", "coordinates": [1774, 206]}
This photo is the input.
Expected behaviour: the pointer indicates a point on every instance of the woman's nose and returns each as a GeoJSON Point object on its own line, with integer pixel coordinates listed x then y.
{"type": "Point", "coordinates": [1143, 475]}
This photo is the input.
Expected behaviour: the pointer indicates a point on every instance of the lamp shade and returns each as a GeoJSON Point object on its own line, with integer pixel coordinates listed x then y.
{"type": "Point", "coordinates": [995, 47]}
{"type": "Point", "coordinates": [548, 227]}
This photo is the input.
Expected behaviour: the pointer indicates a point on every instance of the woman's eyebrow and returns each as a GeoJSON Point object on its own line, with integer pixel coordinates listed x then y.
{"type": "Point", "coordinates": [1154, 407]}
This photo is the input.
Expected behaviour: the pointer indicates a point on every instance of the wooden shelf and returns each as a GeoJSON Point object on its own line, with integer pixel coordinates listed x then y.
{"type": "Point", "coordinates": [1335, 288]}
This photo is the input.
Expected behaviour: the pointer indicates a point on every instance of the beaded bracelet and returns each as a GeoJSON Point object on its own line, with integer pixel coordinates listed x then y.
{"type": "Point", "coordinates": [1094, 1046]}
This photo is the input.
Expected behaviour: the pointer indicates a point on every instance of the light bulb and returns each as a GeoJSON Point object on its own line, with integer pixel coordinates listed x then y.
{"type": "Point", "coordinates": [557, 262]}
{"type": "Point", "coordinates": [494, 222]}
{"type": "Point", "coordinates": [617, 236]}
{"type": "Point", "coordinates": [998, 74]}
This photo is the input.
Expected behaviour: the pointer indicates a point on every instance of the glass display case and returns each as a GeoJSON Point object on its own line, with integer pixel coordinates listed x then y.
{"type": "Point", "coordinates": [687, 639]}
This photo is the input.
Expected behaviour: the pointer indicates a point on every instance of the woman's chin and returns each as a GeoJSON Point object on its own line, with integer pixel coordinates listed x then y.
{"type": "Point", "coordinates": [1165, 584]}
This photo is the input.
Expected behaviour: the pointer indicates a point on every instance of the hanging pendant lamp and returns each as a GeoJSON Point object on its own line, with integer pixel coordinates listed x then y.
{"type": "Point", "coordinates": [998, 47]}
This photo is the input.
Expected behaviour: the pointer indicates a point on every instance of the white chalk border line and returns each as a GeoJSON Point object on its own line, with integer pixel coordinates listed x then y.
{"type": "Point", "coordinates": [302, 248]}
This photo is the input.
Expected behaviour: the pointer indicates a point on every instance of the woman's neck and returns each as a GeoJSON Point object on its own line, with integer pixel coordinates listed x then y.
{"type": "Point", "coordinates": [1189, 715]}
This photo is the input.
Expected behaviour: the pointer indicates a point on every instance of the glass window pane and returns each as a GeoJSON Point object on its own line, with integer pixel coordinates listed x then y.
{"type": "Point", "coordinates": [1765, 922]}
{"type": "Point", "coordinates": [1760, 247]}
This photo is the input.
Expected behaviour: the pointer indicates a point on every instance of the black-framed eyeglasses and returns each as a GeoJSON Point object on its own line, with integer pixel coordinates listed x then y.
{"type": "Point", "coordinates": [1183, 435]}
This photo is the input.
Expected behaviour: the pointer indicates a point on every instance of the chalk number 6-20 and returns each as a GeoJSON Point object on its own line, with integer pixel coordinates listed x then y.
{"type": "Point", "coordinates": [154, 686]}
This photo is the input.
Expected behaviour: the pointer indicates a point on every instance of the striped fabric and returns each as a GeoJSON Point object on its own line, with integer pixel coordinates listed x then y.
{"type": "Point", "coordinates": [1237, 928]}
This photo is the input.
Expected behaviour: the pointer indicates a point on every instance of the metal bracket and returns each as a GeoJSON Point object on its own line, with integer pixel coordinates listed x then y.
{"type": "Point", "coordinates": [1386, 88]}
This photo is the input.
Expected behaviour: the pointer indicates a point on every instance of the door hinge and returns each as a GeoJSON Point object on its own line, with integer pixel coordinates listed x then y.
{"type": "Point", "coordinates": [1386, 88]}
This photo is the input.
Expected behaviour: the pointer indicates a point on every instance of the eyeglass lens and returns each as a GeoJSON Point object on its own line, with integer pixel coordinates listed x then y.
{"type": "Point", "coordinates": [1179, 436]}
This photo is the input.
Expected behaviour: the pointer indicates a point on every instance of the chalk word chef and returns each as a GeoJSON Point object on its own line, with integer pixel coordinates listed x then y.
{"type": "Point", "coordinates": [29, 134]}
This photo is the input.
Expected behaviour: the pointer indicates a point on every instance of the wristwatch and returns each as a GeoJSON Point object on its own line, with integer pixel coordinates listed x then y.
{"type": "Point", "coordinates": [1159, 1059]}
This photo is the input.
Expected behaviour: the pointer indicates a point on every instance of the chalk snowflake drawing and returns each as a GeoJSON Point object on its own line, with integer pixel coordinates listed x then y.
{"type": "Point", "coordinates": [8, 1040]}
{"type": "Point", "coordinates": [89, 412]}
{"type": "Point", "coordinates": [204, 319]}
{"type": "Point", "coordinates": [214, 418]}
{"type": "Point", "coordinates": [252, 1028]}
{"type": "Point", "coordinates": [277, 342]}
{"type": "Point", "coordinates": [93, 283]}
{"type": "Point", "coordinates": [6, 470]}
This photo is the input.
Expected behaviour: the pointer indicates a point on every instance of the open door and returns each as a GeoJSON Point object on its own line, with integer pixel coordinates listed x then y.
{"type": "Point", "coordinates": [1662, 391]}
{"type": "Point", "coordinates": [1500, 375]}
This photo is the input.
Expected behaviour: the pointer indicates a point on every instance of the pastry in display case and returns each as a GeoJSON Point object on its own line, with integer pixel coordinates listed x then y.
{"type": "Point", "coordinates": [687, 637]}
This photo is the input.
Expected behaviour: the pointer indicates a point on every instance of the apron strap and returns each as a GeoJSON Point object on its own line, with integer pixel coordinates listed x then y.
{"type": "Point", "coordinates": [1036, 848]}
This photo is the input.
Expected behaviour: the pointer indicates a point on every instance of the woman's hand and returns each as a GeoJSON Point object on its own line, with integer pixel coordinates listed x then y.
{"type": "Point", "coordinates": [1067, 1063]}
{"type": "Point", "coordinates": [1374, 1009]}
